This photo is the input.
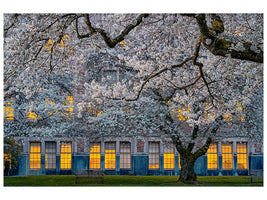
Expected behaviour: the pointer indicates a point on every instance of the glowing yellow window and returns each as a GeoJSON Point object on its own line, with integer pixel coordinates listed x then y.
{"type": "Point", "coordinates": [9, 110]}
{"type": "Point", "coordinates": [241, 150]}
{"type": "Point", "coordinates": [153, 155]}
{"type": "Point", "coordinates": [125, 155]}
{"type": "Point", "coordinates": [69, 111]}
{"type": "Point", "coordinates": [95, 156]}
{"type": "Point", "coordinates": [35, 155]}
{"type": "Point", "coordinates": [212, 157]}
{"type": "Point", "coordinates": [7, 157]}
{"type": "Point", "coordinates": [179, 111]}
{"type": "Point", "coordinates": [227, 156]}
{"type": "Point", "coordinates": [110, 155]}
{"type": "Point", "coordinates": [65, 155]}
{"type": "Point", "coordinates": [32, 115]}
{"type": "Point", "coordinates": [168, 156]}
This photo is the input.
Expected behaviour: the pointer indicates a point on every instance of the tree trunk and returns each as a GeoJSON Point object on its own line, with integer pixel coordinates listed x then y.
{"type": "Point", "coordinates": [187, 168]}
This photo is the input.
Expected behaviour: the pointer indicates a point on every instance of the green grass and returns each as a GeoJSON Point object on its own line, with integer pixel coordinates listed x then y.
{"type": "Point", "coordinates": [69, 180]}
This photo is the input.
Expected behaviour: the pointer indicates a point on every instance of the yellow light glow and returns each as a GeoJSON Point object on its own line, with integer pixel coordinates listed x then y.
{"type": "Point", "coordinates": [62, 42]}
{"type": "Point", "coordinates": [180, 116]}
{"type": "Point", "coordinates": [9, 110]}
{"type": "Point", "coordinates": [95, 157]}
{"type": "Point", "coordinates": [242, 161]}
{"type": "Point", "coordinates": [95, 148]}
{"type": "Point", "coordinates": [35, 155]}
{"type": "Point", "coordinates": [123, 43]}
{"type": "Point", "coordinates": [227, 157]}
{"type": "Point", "coordinates": [168, 160]}
{"type": "Point", "coordinates": [239, 107]}
{"type": "Point", "coordinates": [178, 112]}
{"type": "Point", "coordinates": [208, 115]}
{"type": "Point", "coordinates": [32, 115]}
{"type": "Point", "coordinates": [7, 157]}
{"type": "Point", "coordinates": [110, 159]}
{"type": "Point", "coordinates": [228, 117]}
{"type": "Point", "coordinates": [69, 110]}
{"type": "Point", "coordinates": [212, 157]}
{"type": "Point", "coordinates": [180, 162]}
{"type": "Point", "coordinates": [50, 43]}
{"type": "Point", "coordinates": [155, 166]}
{"type": "Point", "coordinates": [65, 155]}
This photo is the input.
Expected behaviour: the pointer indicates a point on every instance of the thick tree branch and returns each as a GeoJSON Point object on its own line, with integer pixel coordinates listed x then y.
{"type": "Point", "coordinates": [205, 147]}
{"type": "Point", "coordinates": [193, 137]}
{"type": "Point", "coordinates": [223, 47]}
{"type": "Point", "coordinates": [178, 144]}
{"type": "Point", "coordinates": [108, 40]}
{"type": "Point", "coordinates": [15, 16]}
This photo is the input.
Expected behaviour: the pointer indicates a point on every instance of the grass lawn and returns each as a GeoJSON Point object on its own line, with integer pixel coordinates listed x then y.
{"type": "Point", "coordinates": [69, 180]}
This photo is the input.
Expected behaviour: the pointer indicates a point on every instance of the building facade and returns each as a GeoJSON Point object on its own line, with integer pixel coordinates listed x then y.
{"type": "Point", "coordinates": [127, 155]}
{"type": "Point", "coordinates": [133, 156]}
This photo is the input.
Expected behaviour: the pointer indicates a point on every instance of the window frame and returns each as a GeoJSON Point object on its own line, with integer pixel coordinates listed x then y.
{"type": "Point", "coordinates": [227, 156]}
{"type": "Point", "coordinates": [96, 165]}
{"type": "Point", "coordinates": [35, 156]}
{"type": "Point", "coordinates": [63, 160]}
{"type": "Point", "coordinates": [244, 155]}
{"type": "Point", "coordinates": [214, 156]}
{"type": "Point", "coordinates": [168, 155]}
{"type": "Point", "coordinates": [125, 163]}
{"type": "Point", "coordinates": [53, 153]}
{"type": "Point", "coordinates": [153, 156]}
{"type": "Point", "coordinates": [110, 156]}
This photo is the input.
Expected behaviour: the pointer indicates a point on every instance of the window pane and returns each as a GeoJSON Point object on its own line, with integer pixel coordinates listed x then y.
{"type": "Point", "coordinates": [153, 147]}
{"type": "Point", "coordinates": [50, 161]}
{"type": "Point", "coordinates": [125, 161]}
{"type": "Point", "coordinates": [50, 155]}
{"type": "Point", "coordinates": [65, 155]}
{"type": "Point", "coordinates": [110, 76]}
{"type": "Point", "coordinates": [168, 156]}
{"type": "Point", "coordinates": [35, 155]}
{"type": "Point", "coordinates": [95, 156]}
{"type": "Point", "coordinates": [95, 148]}
{"type": "Point", "coordinates": [110, 155]}
{"type": "Point", "coordinates": [125, 155]}
{"type": "Point", "coordinates": [125, 147]}
{"type": "Point", "coordinates": [227, 157]}
{"type": "Point", "coordinates": [153, 155]}
{"type": "Point", "coordinates": [241, 149]}
{"type": "Point", "coordinates": [212, 157]}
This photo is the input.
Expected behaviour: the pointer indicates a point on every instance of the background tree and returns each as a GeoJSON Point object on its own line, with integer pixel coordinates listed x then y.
{"type": "Point", "coordinates": [11, 155]}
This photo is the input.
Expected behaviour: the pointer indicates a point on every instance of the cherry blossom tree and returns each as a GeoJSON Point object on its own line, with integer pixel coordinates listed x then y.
{"type": "Point", "coordinates": [207, 68]}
